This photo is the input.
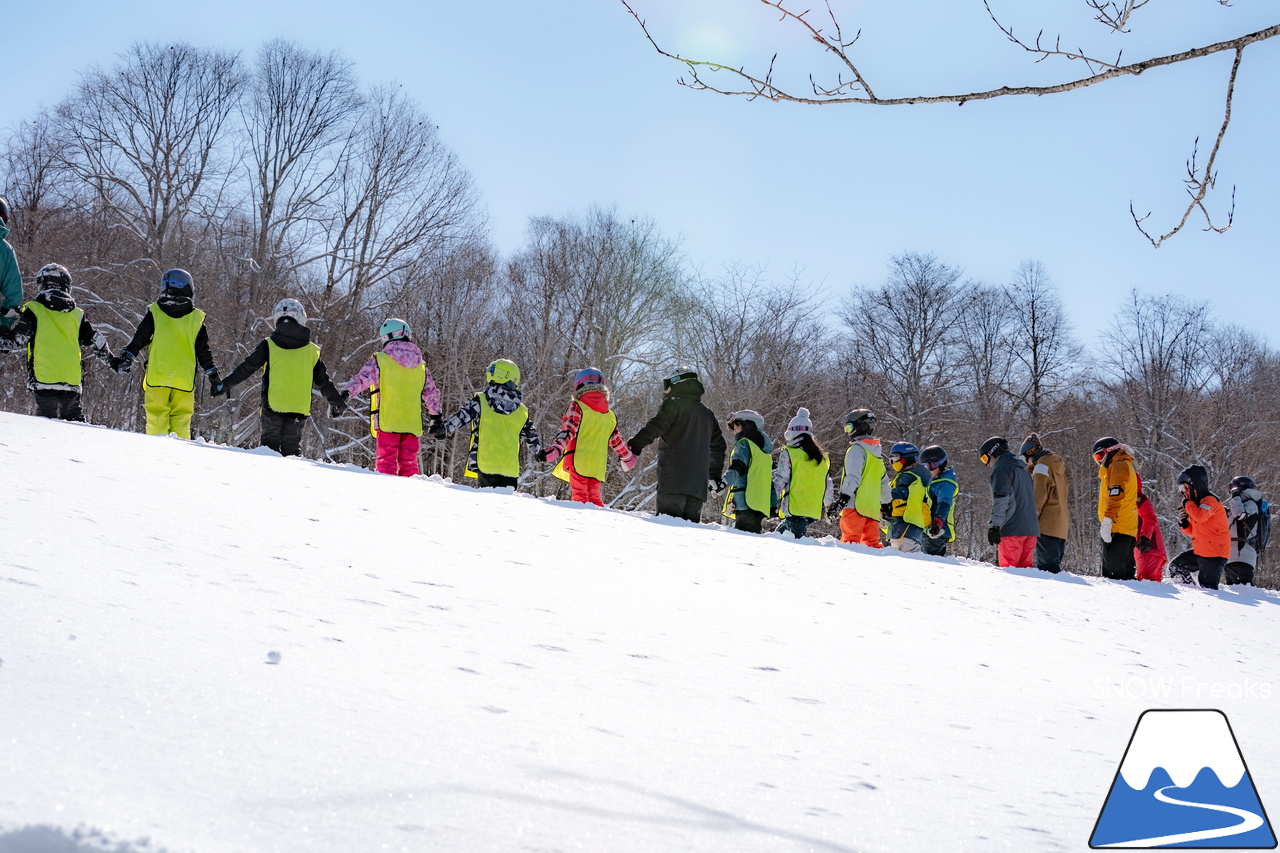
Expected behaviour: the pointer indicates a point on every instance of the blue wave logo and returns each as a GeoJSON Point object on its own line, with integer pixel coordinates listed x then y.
{"type": "Point", "coordinates": [1183, 783]}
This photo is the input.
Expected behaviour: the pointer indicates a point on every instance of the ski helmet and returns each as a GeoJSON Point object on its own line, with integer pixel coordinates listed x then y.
{"type": "Point", "coordinates": [393, 329]}
{"type": "Point", "coordinates": [1102, 447]}
{"type": "Point", "coordinates": [1240, 484]}
{"type": "Point", "coordinates": [673, 381]}
{"type": "Point", "coordinates": [799, 425]}
{"type": "Point", "coordinates": [993, 447]}
{"type": "Point", "coordinates": [292, 309]}
{"type": "Point", "coordinates": [1196, 479]}
{"type": "Point", "coordinates": [745, 416]}
{"type": "Point", "coordinates": [503, 372]}
{"type": "Point", "coordinates": [934, 457]}
{"type": "Point", "coordinates": [859, 422]}
{"type": "Point", "coordinates": [904, 452]}
{"type": "Point", "coordinates": [177, 280]}
{"type": "Point", "coordinates": [5, 210]}
{"type": "Point", "coordinates": [1030, 445]}
{"type": "Point", "coordinates": [585, 377]}
{"type": "Point", "coordinates": [54, 277]}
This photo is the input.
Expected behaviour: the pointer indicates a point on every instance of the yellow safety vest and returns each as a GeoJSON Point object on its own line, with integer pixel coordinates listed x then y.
{"type": "Point", "coordinates": [866, 500]}
{"type": "Point", "coordinates": [172, 360]}
{"type": "Point", "coordinates": [289, 377]}
{"type": "Point", "coordinates": [759, 482]}
{"type": "Point", "coordinates": [55, 350]}
{"type": "Point", "coordinates": [808, 486]}
{"type": "Point", "coordinates": [399, 395]}
{"type": "Point", "coordinates": [915, 509]}
{"type": "Point", "coordinates": [496, 439]}
{"type": "Point", "coordinates": [591, 447]}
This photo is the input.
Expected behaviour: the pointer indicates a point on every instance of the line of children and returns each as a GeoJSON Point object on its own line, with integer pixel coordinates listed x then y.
{"type": "Point", "coordinates": [800, 479]}
{"type": "Point", "coordinates": [580, 451]}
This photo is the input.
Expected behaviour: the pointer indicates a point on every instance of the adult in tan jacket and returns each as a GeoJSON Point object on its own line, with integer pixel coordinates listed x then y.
{"type": "Point", "coordinates": [1049, 476]}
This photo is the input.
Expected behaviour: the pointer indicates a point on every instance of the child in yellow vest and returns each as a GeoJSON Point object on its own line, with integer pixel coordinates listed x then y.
{"type": "Point", "coordinates": [910, 513]}
{"type": "Point", "coordinates": [587, 432]}
{"type": "Point", "coordinates": [174, 331]}
{"type": "Point", "coordinates": [53, 330]}
{"type": "Point", "coordinates": [751, 496]}
{"type": "Point", "coordinates": [500, 423]}
{"type": "Point", "coordinates": [800, 478]}
{"type": "Point", "coordinates": [291, 366]}
{"type": "Point", "coordinates": [403, 387]}
{"type": "Point", "coordinates": [864, 483]}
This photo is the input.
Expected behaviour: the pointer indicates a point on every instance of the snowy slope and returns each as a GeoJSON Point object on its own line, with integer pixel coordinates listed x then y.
{"type": "Point", "coordinates": [466, 671]}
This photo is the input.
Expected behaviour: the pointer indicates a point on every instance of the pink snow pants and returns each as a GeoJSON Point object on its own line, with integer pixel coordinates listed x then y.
{"type": "Point", "coordinates": [398, 453]}
{"type": "Point", "coordinates": [1018, 551]}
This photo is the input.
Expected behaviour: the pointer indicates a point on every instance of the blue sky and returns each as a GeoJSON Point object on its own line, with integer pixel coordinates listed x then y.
{"type": "Point", "coordinates": [555, 105]}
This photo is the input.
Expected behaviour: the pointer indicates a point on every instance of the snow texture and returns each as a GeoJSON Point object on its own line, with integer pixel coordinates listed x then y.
{"type": "Point", "coordinates": [208, 649]}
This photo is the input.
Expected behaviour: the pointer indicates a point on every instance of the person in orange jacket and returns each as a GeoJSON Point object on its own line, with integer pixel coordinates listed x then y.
{"type": "Point", "coordinates": [1149, 554]}
{"type": "Point", "coordinates": [1204, 519]}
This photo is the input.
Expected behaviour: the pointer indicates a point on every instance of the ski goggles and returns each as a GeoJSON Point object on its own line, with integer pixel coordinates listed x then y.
{"type": "Point", "coordinates": [1102, 454]}
{"type": "Point", "coordinates": [985, 458]}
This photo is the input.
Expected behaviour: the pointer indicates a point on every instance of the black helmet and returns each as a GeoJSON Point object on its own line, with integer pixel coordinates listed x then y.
{"type": "Point", "coordinates": [1103, 446]}
{"type": "Point", "coordinates": [934, 456]}
{"type": "Point", "coordinates": [54, 277]}
{"type": "Point", "coordinates": [1197, 478]}
{"type": "Point", "coordinates": [1240, 484]}
{"type": "Point", "coordinates": [859, 422]}
{"type": "Point", "coordinates": [672, 381]}
{"type": "Point", "coordinates": [5, 210]}
{"type": "Point", "coordinates": [1030, 445]}
{"type": "Point", "coordinates": [992, 447]}
{"type": "Point", "coordinates": [177, 280]}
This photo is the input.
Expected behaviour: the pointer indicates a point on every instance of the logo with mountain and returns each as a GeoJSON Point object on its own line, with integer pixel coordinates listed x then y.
{"type": "Point", "coordinates": [1183, 783]}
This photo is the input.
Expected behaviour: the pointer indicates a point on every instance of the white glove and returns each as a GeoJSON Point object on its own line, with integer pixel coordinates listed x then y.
{"type": "Point", "coordinates": [1104, 532]}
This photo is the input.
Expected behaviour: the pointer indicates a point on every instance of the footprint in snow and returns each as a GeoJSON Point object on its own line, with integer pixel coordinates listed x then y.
{"type": "Point", "coordinates": [273, 658]}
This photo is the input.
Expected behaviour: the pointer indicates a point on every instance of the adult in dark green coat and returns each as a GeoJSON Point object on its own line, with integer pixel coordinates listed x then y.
{"type": "Point", "coordinates": [10, 275]}
{"type": "Point", "coordinates": [691, 455]}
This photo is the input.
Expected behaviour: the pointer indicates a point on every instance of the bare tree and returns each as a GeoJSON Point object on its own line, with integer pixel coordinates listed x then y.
{"type": "Point", "coordinates": [851, 85]}
{"type": "Point", "coordinates": [1041, 343]}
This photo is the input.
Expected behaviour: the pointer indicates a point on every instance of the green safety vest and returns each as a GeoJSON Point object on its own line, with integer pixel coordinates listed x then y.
{"type": "Point", "coordinates": [172, 360]}
{"type": "Point", "coordinates": [866, 500]}
{"type": "Point", "coordinates": [55, 350]}
{"type": "Point", "coordinates": [497, 440]}
{"type": "Point", "coordinates": [759, 482]}
{"type": "Point", "coordinates": [947, 476]}
{"type": "Point", "coordinates": [808, 486]}
{"type": "Point", "coordinates": [290, 373]}
{"type": "Point", "coordinates": [399, 395]}
{"type": "Point", "coordinates": [591, 446]}
{"type": "Point", "coordinates": [915, 510]}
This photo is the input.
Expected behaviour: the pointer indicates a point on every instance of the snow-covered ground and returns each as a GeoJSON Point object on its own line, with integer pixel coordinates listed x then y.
{"type": "Point", "coordinates": [206, 649]}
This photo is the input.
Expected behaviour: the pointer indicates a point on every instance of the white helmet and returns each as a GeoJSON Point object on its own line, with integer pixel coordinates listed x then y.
{"type": "Point", "coordinates": [291, 308]}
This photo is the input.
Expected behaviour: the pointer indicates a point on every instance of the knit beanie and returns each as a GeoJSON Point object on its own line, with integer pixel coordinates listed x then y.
{"type": "Point", "coordinates": [799, 425]}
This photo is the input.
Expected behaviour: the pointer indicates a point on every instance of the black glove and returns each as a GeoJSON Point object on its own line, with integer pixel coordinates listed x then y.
{"type": "Point", "coordinates": [541, 455]}
{"type": "Point", "coordinates": [1184, 520]}
{"type": "Point", "coordinates": [633, 447]}
{"type": "Point", "coordinates": [123, 363]}
{"type": "Point", "coordinates": [1145, 544]}
{"type": "Point", "coordinates": [437, 430]}
{"type": "Point", "coordinates": [886, 511]}
{"type": "Point", "coordinates": [993, 535]}
{"type": "Point", "coordinates": [716, 485]}
{"type": "Point", "coordinates": [838, 505]}
{"type": "Point", "coordinates": [220, 388]}
{"type": "Point", "coordinates": [214, 380]}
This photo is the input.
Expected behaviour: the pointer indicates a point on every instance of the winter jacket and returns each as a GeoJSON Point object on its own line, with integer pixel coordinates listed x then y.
{"type": "Point", "coordinates": [855, 466]}
{"type": "Point", "coordinates": [565, 443]}
{"type": "Point", "coordinates": [10, 279]}
{"type": "Point", "coordinates": [1013, 498]}
{"type": "Point", "coordinates": [1049, 476]}
{"type": "Point", "coordinates": [289, 334]}
{"type": "Point", "coordinates": [913, 478]}
{"type": "Point", "coordinates": [1206, 523]}
{"type": "Point", "coordinates": [1242, 520]}
{"type": "Point", "coordinates": [782, 474]}
{"type": "Point", "coordinates": [943, 489]}
{"type": "Point", "coordinates": [1150, 564]}
{"type": "Point", "coordinates": [177, 310]}
{"type": "Point", "coordinates": [693, 446]}
{"type": "Point", "coordinates": [24, 331]}
{"type": "Point", "coordinates": [1118, 492]}
{"type": "Point", "coordinates": [736, 477]}
{"type": "Point", "coordinates": [408, 356]}
{"type": "Point", "coordinates": [502, 400]}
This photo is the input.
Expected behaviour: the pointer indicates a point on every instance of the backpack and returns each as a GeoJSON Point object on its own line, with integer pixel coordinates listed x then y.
{"type": "Point", "coordinates": [1262, 532]}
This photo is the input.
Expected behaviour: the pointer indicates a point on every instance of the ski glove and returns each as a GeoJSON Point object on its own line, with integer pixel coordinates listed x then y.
{"type": "Point", "coordinates": [838, 505]}
{"type": "Point", "coordinates": [339, 409]}
{"type": "Point", "coordinates": [1145, 544]}
{"type": "Point", "coordinates": [716, 485]}
{"type": "Point", "coordinates": [1104, 531]}
{"type": "Point", "coordinates": [541, 455]}
{"type": "Point", "coordinates": [935, 528]}
{"type": "Point", "coordinates": [437, 430]}
{"type": "Point", "coordinates": [220, 388]}
{"type": "Point", "coordinates": [993, 534]}
{"type": "Point", "coordinates": [886, 511]}
{"type": "Point", "coordinates": [124, 362]}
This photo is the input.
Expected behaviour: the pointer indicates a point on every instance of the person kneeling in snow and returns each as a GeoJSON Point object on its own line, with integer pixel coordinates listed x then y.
{"type": "Point", "coordinates": [402, 386]}
{"type": "Point", "coordinates": [53, 330]}
{"type": "Point", "coordinates": [291, 365]}
{"type": "Point", "coordinates": [1204, 519]}
{"type": "Point", "coordinates": [587, 431]}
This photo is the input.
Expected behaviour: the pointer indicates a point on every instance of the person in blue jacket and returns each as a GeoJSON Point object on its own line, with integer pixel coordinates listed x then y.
{"type": "Point", "coordinates": [751, 497]}
{"type": "Point", "coordinates": [10, 274]}
{"type": "Point", "coordinates": [943, 489]}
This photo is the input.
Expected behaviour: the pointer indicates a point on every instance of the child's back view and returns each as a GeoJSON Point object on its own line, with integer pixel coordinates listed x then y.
{"type": "Point", "coordinates": [801, 477]}
{"type": "Point", "coordinates": [587, 432]}
{"type": "Point", "coordinates": [500, 423]}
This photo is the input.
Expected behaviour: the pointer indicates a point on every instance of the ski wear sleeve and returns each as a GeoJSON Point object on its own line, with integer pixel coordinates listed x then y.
{"type": "Point", "coordinates": [718, 449]}
{"type": "Point", "coordinates": [569, 426]}
{"type": "Point", "coordinates": [95, 340]}
{"type": "Point", "coordinates": [10, 280]}
{"type": "Point", "coordinates": [855, 460]}
{"type": "Point", "coordinates": [469, 413]}
{"type": "Point", "coordinates": [1119, 477]}
{"type": "Point", "coordinates": [142, 337]}
{"type": "Point", "coordinates": [252, 363]}
{"type": "Point", "coordinates": [944, 495]}
{"type": "Point", "coordinates": [430, 394]}
{"type": "Point", "coordinates": [1042, 480]}
{"type": "Point", "coordinates": [367, 377]}
{"type": "Point", "coordinates": [658, 426]}
{"type": "Point", "coordinates": [619, 446]}
{"type": "Point", "coordinates": [739, 464]}
{"type": "Point", "coordinates": [320, 379]}
{"type": "Point", "coordinates": [782, 471]}
{"type": "Point", "coordinates": [204, 355]}
{"type": "Point", "coordinates": [23, 330]}
{"type": "Point", "coordinates": [902, 488]}
{"type": "Point", "coordinates": [1002, 498]}
{"type": "Point", "coordinates": [529, 435]}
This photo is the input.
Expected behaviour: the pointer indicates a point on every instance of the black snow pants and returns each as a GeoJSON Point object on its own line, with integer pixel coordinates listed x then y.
{"type": "Point", "coordinates": [62, 405]}
{"type": "Point", "coordinates": [282, 432]}
{"type": "Point", "coordinates": [1207, 570]}
{"type": "Point", "coordinates": [680, 506]}
{"type": "Point", "coordinates": [1117, 558]}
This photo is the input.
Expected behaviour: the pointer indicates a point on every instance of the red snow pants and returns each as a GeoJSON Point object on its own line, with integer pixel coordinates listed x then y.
{"type": "Point", "coordinates": [584, 489]}
{"type": "Point", "coordinates": [856, 527]}
{"type": "Point", "coordinates": [397, 453]}
{"type": "Point", "coordinates": [1018, 552]}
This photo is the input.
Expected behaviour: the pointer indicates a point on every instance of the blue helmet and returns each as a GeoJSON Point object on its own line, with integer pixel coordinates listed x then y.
{"type": "Point", "coordinates": [177, 280]}
{"type": "Point", "coordinates": [904, 450]}
{"type": "Point", "coordinates": [587, 376]}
